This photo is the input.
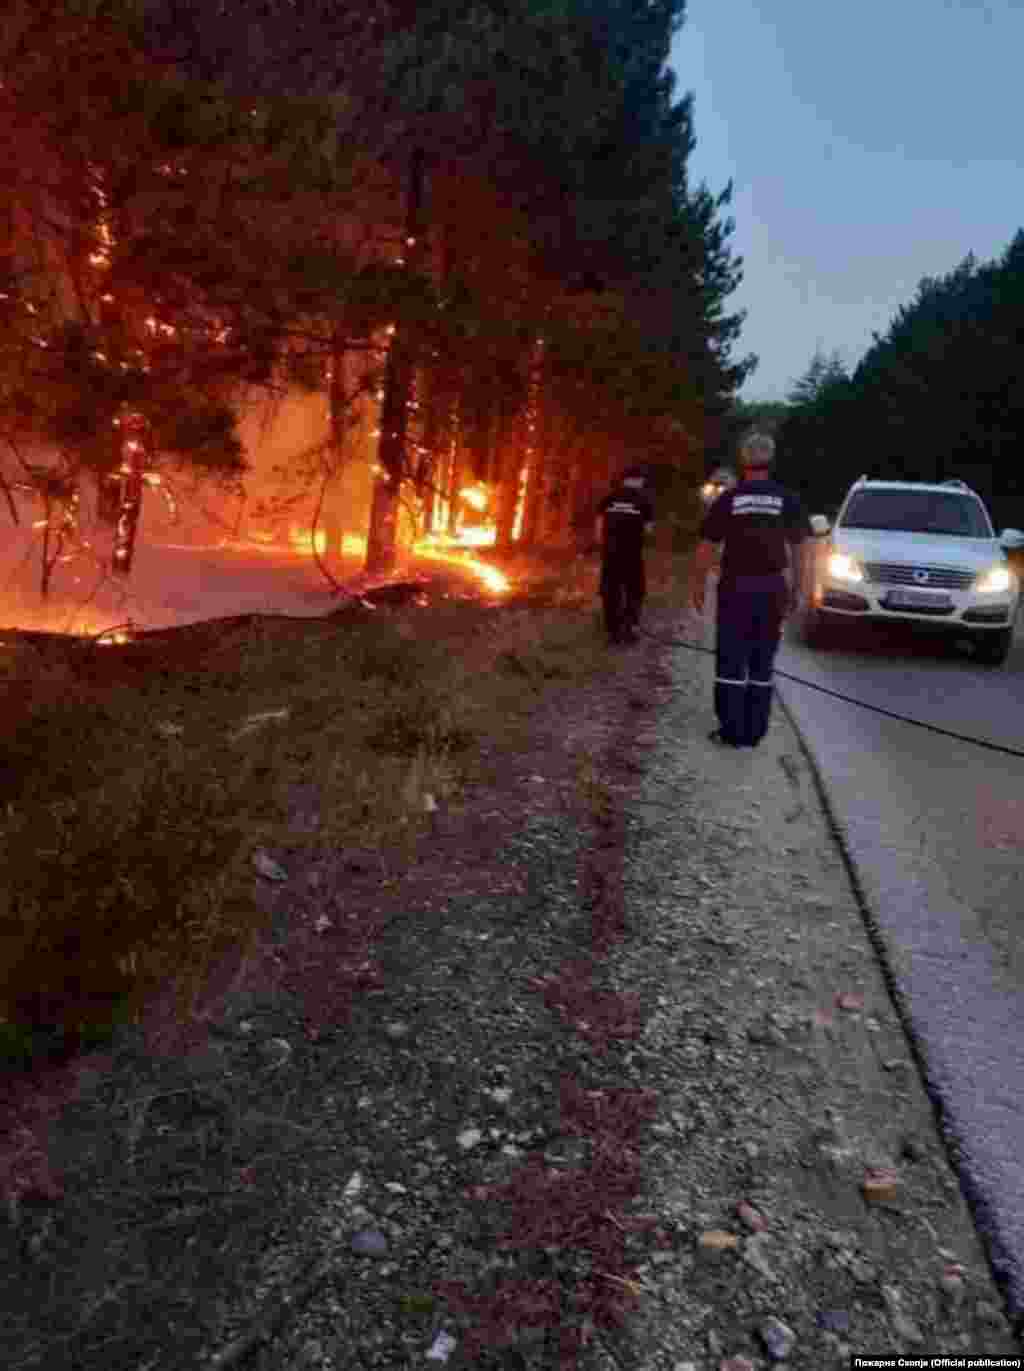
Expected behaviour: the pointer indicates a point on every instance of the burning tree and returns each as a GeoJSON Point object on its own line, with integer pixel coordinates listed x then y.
{"type": "Point", "coordinates": [91, 383]}
{"type": "Point", "coordinates": [176, 249]}
{"type": "Point", "coordinates": [355, 187]}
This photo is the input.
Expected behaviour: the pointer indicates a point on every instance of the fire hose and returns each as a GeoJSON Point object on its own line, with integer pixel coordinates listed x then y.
{"type": "Point", "coordinates": [852, 700]}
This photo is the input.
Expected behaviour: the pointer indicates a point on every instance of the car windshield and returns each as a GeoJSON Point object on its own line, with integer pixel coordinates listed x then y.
{"type": "Point", "coordinates": [918, 511]}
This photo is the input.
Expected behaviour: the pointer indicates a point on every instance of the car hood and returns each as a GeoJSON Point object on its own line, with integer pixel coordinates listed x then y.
{"type": "Point", "coordinates": [928, 549]}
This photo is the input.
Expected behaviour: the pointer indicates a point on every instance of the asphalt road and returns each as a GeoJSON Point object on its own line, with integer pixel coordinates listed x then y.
{"type": "Point", "coordinates": [936, 829]}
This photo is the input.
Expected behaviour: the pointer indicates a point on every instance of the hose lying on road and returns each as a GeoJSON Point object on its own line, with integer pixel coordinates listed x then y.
{"type": "Point", "coordinates": [863, 704]}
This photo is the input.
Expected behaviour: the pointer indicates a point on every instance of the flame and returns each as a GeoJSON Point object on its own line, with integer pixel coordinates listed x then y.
{"type": "Point", "coordinates": [520, 514]}
{"type": "Point", "coordinates": [475, 496]}
{"type": "Point", "coordinates": [442, 547]}
{"type": "Point", "coordinates": [302, 540]}
{"type": "Point", "coordinates": [352, 544]}
{"type": "Point", "coordinates": [493, 579]}
{"type": "Point", "coordinates": [484, 536]}
{"type": "Point", "coordinates": [38, 620]}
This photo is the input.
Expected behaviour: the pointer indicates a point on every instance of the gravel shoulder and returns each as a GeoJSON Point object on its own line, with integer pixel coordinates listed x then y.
{"type": "Point", "coordinates": [792, 1115]}
{"type": "Point", "coordinates": [601, 1085]}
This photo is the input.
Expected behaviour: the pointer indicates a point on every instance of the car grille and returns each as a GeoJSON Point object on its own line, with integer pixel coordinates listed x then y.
{"type": "Point", "coordinates": [939, 577]}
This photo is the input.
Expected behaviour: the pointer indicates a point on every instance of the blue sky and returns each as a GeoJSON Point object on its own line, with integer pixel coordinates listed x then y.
{"type": "Point", "coordinates": [869, 145]}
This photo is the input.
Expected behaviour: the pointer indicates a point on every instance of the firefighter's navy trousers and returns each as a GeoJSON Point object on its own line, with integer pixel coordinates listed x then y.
{"type": "Point", "coordinates": [750, 614]}
{"type": "Point", "coordinates": [623, 586]}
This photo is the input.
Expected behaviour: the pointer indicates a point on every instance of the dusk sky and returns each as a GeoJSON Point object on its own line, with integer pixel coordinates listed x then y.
{"type": "Point", "coordinates": [869, 145]}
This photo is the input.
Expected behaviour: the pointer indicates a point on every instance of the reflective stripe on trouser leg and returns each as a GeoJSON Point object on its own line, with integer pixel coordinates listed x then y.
{"type": "Point", "coordinates": [730, 706]}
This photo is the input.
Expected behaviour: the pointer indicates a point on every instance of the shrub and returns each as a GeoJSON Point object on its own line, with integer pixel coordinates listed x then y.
{"type": "Point", "coordinates": [108, 894]}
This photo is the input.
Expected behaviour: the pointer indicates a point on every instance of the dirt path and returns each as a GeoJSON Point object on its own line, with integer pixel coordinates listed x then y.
{"type": "Point", "coordinates": [488, 1109]}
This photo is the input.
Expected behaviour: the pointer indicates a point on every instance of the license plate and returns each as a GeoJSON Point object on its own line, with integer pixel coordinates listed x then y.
{"type": "Point", "coordinates": [918, 599]}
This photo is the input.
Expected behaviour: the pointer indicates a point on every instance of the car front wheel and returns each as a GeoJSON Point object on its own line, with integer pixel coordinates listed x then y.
{"type": "Point", "coordinates": [992, 649]}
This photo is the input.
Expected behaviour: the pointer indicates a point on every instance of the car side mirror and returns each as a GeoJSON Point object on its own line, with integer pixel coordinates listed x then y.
{"type": "Point", "coordinates": [819, 525]}
{"type": "Point", "coordinates": [1010, 539]}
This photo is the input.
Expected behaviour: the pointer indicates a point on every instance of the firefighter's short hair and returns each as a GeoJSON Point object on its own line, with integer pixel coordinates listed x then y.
{"type": "Point", "coordinates": [757, 450]}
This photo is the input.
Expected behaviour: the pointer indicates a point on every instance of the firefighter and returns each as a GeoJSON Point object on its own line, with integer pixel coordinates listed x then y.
{"type": "Point", "coordinates": [757, 521]}
{"type": "Point", "coordinates": [626, 514]}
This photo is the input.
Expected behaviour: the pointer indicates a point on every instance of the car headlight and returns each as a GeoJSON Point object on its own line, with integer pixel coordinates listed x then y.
{"type": "Point", "coordinates": [844, 568]}
{"type": "Point", "coordinates": [997, 578]}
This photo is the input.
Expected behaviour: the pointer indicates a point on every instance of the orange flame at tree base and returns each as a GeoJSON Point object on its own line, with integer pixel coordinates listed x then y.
{"type": "Point", "coordinates": [439, 547]}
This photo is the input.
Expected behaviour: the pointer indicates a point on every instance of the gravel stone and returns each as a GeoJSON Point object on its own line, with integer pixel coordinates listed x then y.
{"type": "Point", "coordinates": [369, 1242]}
{"type": "Point", "coordinates": [833, 1320]}
{"type": "Point", "coordinates": [953, 1289]}
{"type": "Point", "coordinates": [716, 1241]}
{"type": "Point", "coordinates": [880, 1185]}
{"type": "Point", "coordinates": [990, 1314]}
{"type": "Point", "coordinates": [755, 1254]}
{"type": "Point", "coordinates": [752, 1218]}
{"type": "Point", "coordinates": [903, 1326]}
{"type": "Point", "coordinates": [778, 1338]}
{"type": "Point", "coordinates": [442, 1347]}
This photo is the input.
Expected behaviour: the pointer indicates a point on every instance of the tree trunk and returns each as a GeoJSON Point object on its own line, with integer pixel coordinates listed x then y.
{"type": "Point", "coordinates": [332, 513]}
{"type": "Point", "coordinates": [520, 463]}
{"type": "Point", "coordinates": [559, 513]}
{"type": "Point", "coordinates": [506, 493]}
{"type": "Point", "coordinates": [581, 504]}
{"type": "Point", "coordinates": [46, 570]}
{"type": "Point", "coordinates": [454, 483]}
{"type": "Point", "coordinates": [133, 431]}
{"type": "Point", "coordinates": [536, 494]}
{"type": "Point", "coordinates": [382, 541]}
{"type": "Point", "coordinates": [538, 464]}
{"type": "Point", "coordinates": [442, 427]}
{"type": "Point", "coordinates": [428, 467]}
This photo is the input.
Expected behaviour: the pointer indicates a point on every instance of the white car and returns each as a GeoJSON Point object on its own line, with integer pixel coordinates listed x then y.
{"type": "Point", "coordinates": [916, 553]}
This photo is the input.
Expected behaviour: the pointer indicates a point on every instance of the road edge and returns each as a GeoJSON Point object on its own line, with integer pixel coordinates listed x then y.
{"type": "Point", "coordinates": [984, 1220]}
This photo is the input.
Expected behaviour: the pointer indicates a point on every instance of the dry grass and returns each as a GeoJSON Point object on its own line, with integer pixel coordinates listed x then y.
{"type": "Point", "coordinates": [136, 797]}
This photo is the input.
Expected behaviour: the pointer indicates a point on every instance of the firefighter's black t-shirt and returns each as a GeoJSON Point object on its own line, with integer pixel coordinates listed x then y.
{"type": "Point", "coordinates": [755, 520]}
{"type": "Point", "coordinates": [626, 514]}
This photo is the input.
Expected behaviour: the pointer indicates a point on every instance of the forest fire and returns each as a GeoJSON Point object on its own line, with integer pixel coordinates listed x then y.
{"type": "Point", "coordinates": [201, 574]}
{"type": "Point", "coordinates": [452, 548]}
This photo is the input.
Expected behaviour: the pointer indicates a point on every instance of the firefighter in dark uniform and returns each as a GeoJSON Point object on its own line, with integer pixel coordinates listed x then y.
{"type": "Point", "coordinates": [625, 515]}
{"type": "Point", "coordinates": [757, 521]}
